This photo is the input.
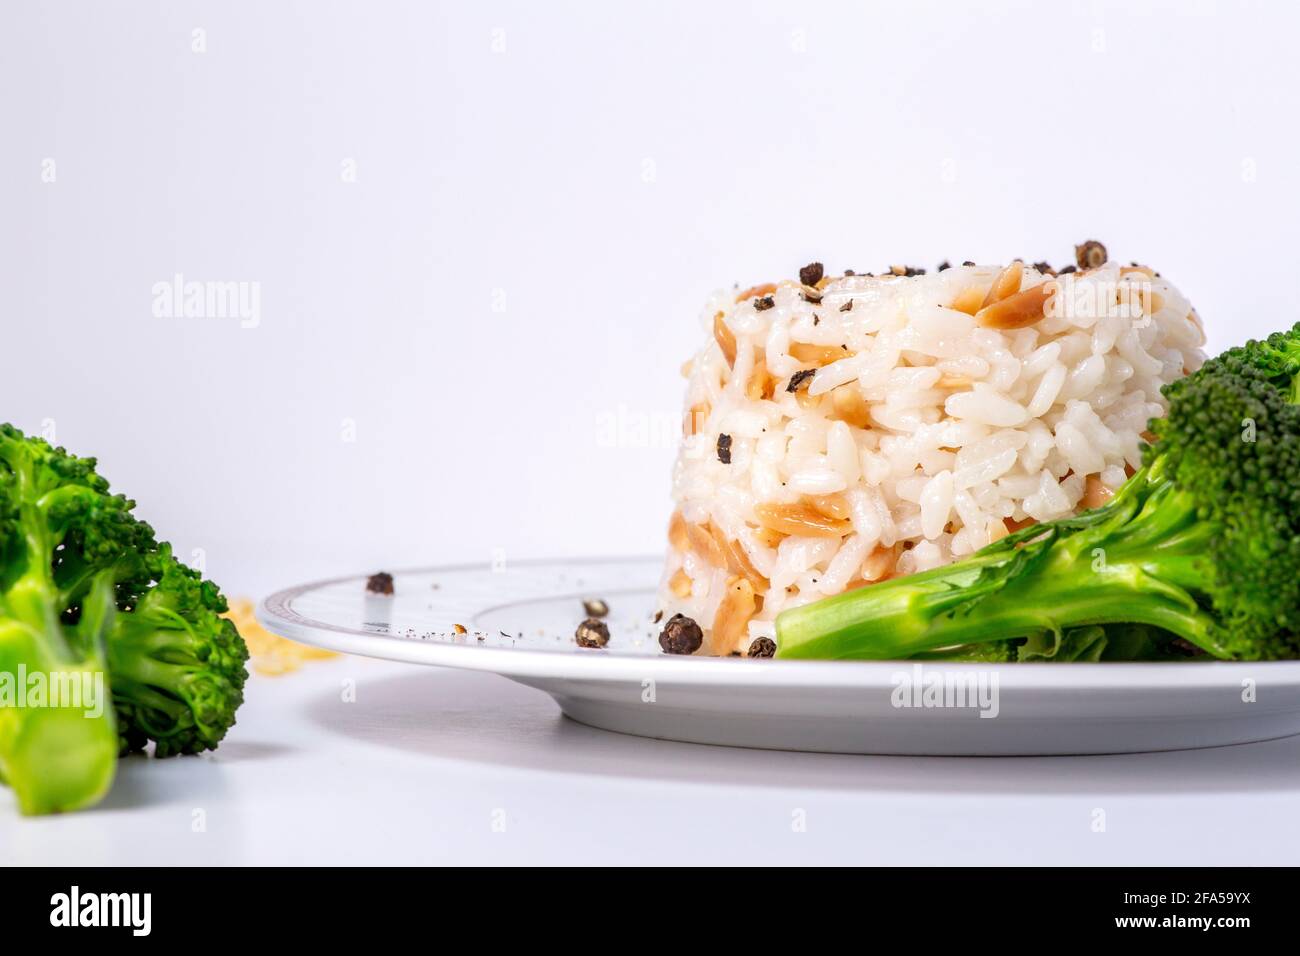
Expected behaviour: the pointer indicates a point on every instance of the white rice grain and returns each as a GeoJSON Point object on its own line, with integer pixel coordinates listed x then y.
{"type": "Point", "coordinates": [936, 504]}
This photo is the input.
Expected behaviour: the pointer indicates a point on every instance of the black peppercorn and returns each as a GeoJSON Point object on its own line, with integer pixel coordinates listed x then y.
{"type": "Point", "coordinates": [381, 583]}
{"type": "Point", "coordinates": [592, 633]}
{"type": "Point", "coordinates": [799, 378]}
{"type": "Point", "coordinates": [1090, 255]}
{"type": "Point", "coordinates": [681, 635]}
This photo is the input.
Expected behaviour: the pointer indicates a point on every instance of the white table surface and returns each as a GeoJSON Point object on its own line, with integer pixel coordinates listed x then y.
{"type": "Point", "coordinates": [438, 766]}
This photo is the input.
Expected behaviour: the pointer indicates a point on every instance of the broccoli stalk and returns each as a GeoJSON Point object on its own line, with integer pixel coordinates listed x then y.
{"type": "Point", "coordinates": [54, 757]}
{"type": "Point", "coordinates": [1202, 543]}
{"type": "Point", "coordinates": [86, 589]}
{"type": "Point", "coordinates": [1049, 577]}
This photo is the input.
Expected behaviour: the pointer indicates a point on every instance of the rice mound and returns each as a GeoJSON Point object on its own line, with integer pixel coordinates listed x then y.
{"type": "Point", "coordinates": [858, 428]}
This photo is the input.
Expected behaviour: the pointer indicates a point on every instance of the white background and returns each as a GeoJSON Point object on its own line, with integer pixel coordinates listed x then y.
{"type": "Point", "coordinates": [499, 303]}
{"type": "Point", "coordinates": [594, 169]}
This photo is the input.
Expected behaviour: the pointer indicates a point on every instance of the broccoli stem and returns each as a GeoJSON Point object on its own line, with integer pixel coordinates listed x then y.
{"type": "Point", "coordinates": [904, 617]}
{"type": "Point", "coordinates": [1132, 561]}
{"type": "Point", "coordinates": [56, 758]}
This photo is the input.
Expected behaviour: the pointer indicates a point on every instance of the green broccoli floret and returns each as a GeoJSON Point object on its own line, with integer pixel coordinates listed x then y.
{"type": "Point", "coordinates": [87, 591]}
{"type": "Point", "coordinates": [1202, 544]}
{"type": "Point", "coordinates": [177, 666]}
{"type": "Point", "coordinates": [1278, 356]}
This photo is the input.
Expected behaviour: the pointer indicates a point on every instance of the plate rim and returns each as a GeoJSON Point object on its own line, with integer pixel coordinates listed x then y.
{"type": "Point", "coordinates": [275, 613]}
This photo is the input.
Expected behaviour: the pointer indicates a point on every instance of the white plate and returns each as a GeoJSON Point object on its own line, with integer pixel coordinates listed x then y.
{"type": "Point", "coordinates": [519, 622]}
